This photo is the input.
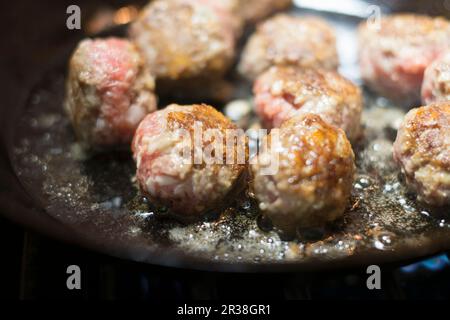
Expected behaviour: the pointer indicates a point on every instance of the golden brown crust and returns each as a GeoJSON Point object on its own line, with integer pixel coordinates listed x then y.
{"type": "Point", "coordinates": [322, 140]}
{"type": "Point", "coordinates": [314, 178]}
{"type": "Point", "coordinates": [432, 119]}
{"type": "Point", "coordinates": [422, 150]}
{"type": "Point", "coordinates": [207, 115]}
{"type": "Point", "coordinates": [186, 185]}
{"type": "Point", "coordinates": [185, 118]}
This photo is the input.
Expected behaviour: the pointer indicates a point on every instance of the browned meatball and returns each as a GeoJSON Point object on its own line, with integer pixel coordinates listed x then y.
{"type": "Point", "coordinates": [394, 56]}
{"type": "Point", "coordinates": [183, 40]}
{"type": "Point", "coordinates": [284, 92]}
{"type": "Point", "coordinates": [287, 40]}
{"type": "Point", "coordinates": [255, 10]}
{"type": "Point", "coordinates": [315, 174]}
{"type": "Point", "coordinates": [169, 171]}
{"type": "Point", "coordinates": [422, 150]}
{"type": "Point", "coordinates": [109, 91]}
{"type": "Point", "coordinates": [436, 82]}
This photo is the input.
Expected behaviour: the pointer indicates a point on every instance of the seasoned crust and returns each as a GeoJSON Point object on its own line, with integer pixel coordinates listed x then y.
{"type": "Point", "coordinates": [314, 178]}
{"type": "Point", "coordinates": [185, 117]}
{"type": "Point", "coordinates": [422, 150]}
{"type": "Point", "coordinates": [207, 115]}
{"type": "Point", "coordinates": [320, 139]}
{"type": "Point", "coordinates": [187, 189]}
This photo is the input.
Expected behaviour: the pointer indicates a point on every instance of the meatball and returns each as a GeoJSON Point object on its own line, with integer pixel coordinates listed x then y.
{"type": "Point", "coordinates": [183, 40]}
{"type": "Point", "coordinates": [284, 92]}
{"type": "Point", "coordinates": [287, 40]}
{"type": "Point", "coordinates": [394, 56]}
{"type": "Point", "coordinates": [255, 10]}
{"type": "Point", "coordinates": [422, 150]}
{"type": "Point", "coordinates": [169, 171]}
{"type": "Point", "coordinates": [109, 91]}
{"type": "Point", "coordinates": [315, 174]}
{"type": "Point", "coordinates": [436, 83]}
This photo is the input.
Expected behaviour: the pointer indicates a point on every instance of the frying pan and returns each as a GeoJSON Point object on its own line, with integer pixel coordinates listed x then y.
{"type": "Point", "coordinates": [48, 184]}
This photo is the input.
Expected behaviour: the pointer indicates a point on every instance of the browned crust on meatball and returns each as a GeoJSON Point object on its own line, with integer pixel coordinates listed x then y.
{"type": "Point", "coordinates": [314, 180]}
{"type": "Point", "coordinates": [322, 141]}
{"type": "Point", "coordinates": [187, 190]}
{"type": "Point", "coordinates": [422, 150]}
{"type": "Point", "coordinates": [210, 118]}
{"type": "Point", "coordinates": [434, 116]}
{"type": "Point", "coordinates": [207, 115]}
